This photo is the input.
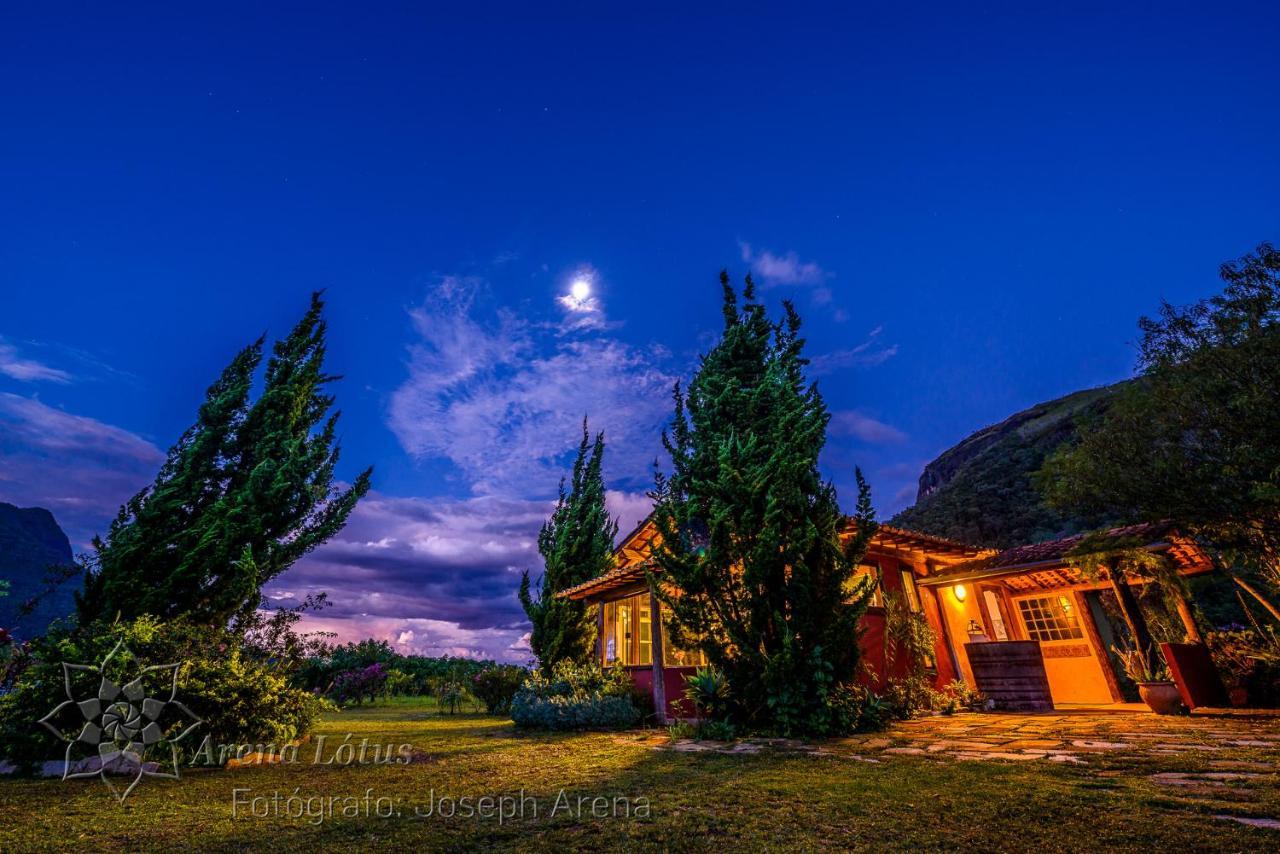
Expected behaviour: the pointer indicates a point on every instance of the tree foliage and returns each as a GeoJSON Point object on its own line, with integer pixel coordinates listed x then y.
{"type": "Point", "coordinates": [576, 545]}
{"type": "Point", "coordinates": [246, 491]}
{"type": "Point", "coordinates": [754, 570]}
{"type": "Point", "coordinates": [1197, 439]}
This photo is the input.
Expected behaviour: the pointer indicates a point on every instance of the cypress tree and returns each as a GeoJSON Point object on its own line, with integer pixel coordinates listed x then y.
{"type": "Point", "coordinates": [246, 491]}
{"type": "Point", "coordinates": [754, 569]}
{"type": "Point", "coordinates": [576, 545]}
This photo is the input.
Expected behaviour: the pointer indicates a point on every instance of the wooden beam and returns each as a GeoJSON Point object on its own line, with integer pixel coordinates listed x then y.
{"type": "Point", "coordinates": [1132, 613]}
{"type": "Point", "coordinates": [655, 647]}
{"type": "Point", "coordinates": [1188, 618]}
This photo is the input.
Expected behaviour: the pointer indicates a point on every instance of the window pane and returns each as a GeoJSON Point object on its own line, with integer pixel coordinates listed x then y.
{"type": "Point", "coordinates": [1050, 618]}
{"type": "Point", "coordinates": [909, 589]}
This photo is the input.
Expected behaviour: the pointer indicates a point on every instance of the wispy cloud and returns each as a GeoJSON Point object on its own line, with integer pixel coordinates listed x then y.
{"type": "Point", "coordinates": [28, 370]}
{"type": "Point", "coordinates": [771, 269]}
{"type": "Point", "coordinates": [503, 397]}
{"type": "Point", "coordinates": [854, 424]}
{"type": "Point", "coordinates": [868, 354]}
{"type": "Point", "coordinates": [77, 467]}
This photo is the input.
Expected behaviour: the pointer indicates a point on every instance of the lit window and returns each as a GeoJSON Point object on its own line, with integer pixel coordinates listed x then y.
{"type": "Point", "coordinates": [909, 588]}
{"type": "Point", "coordinates": [1050, 618]}
{"type": "Point", "coordinates": [857, 580]}
{"type": "Point", "coordinates": [628, 631]}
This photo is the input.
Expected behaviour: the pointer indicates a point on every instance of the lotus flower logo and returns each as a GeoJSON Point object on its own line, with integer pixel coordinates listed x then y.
{"type": "Point", "coordinates": [121, 730]}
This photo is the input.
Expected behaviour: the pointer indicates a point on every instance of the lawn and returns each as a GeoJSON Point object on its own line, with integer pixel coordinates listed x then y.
{"type": "Point", "coordinates": [649, 798]}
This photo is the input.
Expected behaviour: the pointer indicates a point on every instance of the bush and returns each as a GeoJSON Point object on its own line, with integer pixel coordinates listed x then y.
{"type": "Point", "coordinates": [576, 697]}
{"type": "Point", "coordinates": [915, 695]}
{"type": "Point", "coordinates": [716, 731]}
{"type": "Point", "coordinates": [1249, 663]}
{"type": "Point", "coordinates": [356, 686]}
{"type": "Point", "coordinates": [496, 686]}
{"type": "Point", "coordinates": [239, 699]}
{"type": "Point", "coordinates": [708, 690]}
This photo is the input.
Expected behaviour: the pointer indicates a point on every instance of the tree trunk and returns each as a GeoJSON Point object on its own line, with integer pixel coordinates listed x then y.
{"type": "Point", "coordinates": [1132, 613]}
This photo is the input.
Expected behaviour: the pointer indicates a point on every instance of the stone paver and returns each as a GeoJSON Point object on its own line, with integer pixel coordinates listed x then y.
{"type": "Point", "coordinates": [1192, 759]}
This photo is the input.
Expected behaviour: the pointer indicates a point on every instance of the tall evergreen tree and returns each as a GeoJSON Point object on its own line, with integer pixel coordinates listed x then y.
{"type": "Point", "coordinates": [246, 491]}
{"type": "Point", "coordinates": [576, 545]}
{"type": "Point", "coordinates": [754, 569]}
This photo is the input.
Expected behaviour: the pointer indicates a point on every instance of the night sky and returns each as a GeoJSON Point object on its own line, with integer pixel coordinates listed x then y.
{"type": "Point", "coordinates": [971, 208]}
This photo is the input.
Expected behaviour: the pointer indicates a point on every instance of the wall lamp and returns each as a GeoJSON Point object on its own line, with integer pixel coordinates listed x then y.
{"type": "Point", "coordinates": [960, 592]}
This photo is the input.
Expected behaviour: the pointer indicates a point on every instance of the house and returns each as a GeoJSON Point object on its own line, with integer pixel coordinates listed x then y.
{"type": "Point", "coordinates": [965, 593]}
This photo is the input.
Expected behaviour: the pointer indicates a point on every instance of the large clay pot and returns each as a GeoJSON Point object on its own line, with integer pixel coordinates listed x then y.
{"type": "Point", "coordinates": [1161, 697]}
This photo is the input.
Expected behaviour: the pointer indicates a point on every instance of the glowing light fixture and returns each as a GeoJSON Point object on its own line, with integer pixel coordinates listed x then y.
{"type": "Point", "coordinates": [960, 591]}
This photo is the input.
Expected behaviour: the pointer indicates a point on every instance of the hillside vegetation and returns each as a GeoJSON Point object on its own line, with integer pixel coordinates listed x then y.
{"type": "Point", "coordinates": [980, 491]}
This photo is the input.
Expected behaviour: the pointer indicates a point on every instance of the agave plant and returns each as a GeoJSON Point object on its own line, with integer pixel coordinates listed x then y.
{"type": "Point", "coordinates": [708, 690]}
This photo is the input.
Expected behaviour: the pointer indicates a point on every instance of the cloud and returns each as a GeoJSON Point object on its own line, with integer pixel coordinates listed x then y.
{"type": "Point", "coordinates": [436, 576]}
{"type": "Point", "coordinates": [850, 423]}
{"type": "Point", "coordinates": [770, 270]}
{"type": "Point", "coordinates": [629, 508]}
{"type": "Point", "coordinates": [581, 302]}
{"type": "Point", "coordinates": [868, 354]}
{"type": "Point", "coordinates": [77, 467]}
{"type": "Point", "coordinates": [28, 370]}
{"type": "Point", "coordinates": [503, 398]}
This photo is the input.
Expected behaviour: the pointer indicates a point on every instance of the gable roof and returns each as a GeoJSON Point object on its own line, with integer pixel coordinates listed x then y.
{"type": "Point", "coordinates": [632, 554]}
{"type": "Point", "coordinates": [1052, 555]}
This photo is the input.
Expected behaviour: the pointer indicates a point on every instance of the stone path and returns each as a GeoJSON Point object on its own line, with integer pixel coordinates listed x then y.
{"type": "Point", "coordinates": [1230, 766]}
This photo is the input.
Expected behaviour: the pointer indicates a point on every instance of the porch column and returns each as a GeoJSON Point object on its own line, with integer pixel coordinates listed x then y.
{"type": "Point", "coordinates": [1188, 618]}
{"type": "Point", "coordinates": [1129, 608]}
{"type": "Point", "coordinates": [655, 646]}
{"type": "Point", "coordinates": [600, 634]}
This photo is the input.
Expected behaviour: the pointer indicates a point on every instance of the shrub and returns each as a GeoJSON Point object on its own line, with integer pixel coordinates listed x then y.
{"type": "Point", "coordinates": [575, 696]}
{"type": "Point", "coordinates": [681, 730]}
{"type": "Point", "coordinates": [915, 695]}
{"type": "Point", "coordinates": [398, 684]}
{"type": "Point", "coordinates": [716, 731]}
{"type": "Point", "coordinates": [708, 691]}
{"type": "Point", "coordinates": [496, 686]}
{"type": "Point", "coordinates": [449, 696]}
{"type": "Point", "coordinates": [1249, 662]}
{"type": "Point", "coordinates": [356, 686]}
{"type": "Point", "coordinates": [239, 699]}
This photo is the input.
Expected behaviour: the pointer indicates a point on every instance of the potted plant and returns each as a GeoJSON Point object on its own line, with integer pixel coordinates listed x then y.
{"type": "Point", "coordinates": [1151, 674]}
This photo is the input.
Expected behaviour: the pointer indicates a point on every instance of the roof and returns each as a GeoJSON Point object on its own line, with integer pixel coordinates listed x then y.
{"type": "Point", "coordinates": [632, 554]}
{"type": "Point", "coordinates": [1052, 556]}
{"type": "Point", "coordinates": [888, 536]}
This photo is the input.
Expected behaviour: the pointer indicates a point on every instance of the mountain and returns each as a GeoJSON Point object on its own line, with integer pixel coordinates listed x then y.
{"type": "Point", "coordinates": [980, 491]}
{"type": "Point", "coordinates": [30, 544]}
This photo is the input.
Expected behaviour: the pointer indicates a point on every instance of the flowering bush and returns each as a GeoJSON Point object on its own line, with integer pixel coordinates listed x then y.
{"type": "Point", "coordinates": [356, 686]}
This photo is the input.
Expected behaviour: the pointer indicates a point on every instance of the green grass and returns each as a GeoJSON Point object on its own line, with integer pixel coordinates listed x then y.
{"type": "Point", "coordinates": [697, 801]}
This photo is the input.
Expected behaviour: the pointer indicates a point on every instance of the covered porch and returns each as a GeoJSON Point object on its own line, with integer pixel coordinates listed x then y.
{"type": "Point", "coordinates": [1034, 593]}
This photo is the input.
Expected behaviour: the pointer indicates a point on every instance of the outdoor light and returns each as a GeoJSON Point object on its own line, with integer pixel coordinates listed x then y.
{"type": "Point", "coordinates": [960, 592]}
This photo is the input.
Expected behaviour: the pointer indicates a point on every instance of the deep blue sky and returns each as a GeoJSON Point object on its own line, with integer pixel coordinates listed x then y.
{"type": "Point", "coordinates": [971, 207]}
